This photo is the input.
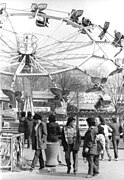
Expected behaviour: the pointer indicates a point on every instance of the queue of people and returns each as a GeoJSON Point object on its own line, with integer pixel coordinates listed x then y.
{"type": "Point", "coordinates": [96, 140]}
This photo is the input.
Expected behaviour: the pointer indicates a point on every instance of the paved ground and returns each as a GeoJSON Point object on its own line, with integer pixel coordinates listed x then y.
{"type": "Point", "coordinates": [113, 170]}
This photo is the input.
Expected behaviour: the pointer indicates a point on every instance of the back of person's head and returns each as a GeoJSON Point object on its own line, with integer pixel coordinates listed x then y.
{"type": "Point", "coordinates": [23, 114]}
{"type": "Point", "coordinates": [91, 121]}
{"type": "Point", "coordinates": [29, 114]}
{"type": "Point", "coordinates": [102, 120]}
{"type": "Point", "coordinates": [114, 119]}
{"type": "Point", "coordinates": [52, 118]}
{"type": "Point", "coordinates": [70, 119]}
{"type": "Point", "coordinates": [37, 117]}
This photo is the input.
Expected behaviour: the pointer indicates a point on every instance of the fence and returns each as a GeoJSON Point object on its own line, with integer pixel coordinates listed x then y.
{"type": "Point", "coordinates": [11, 149]}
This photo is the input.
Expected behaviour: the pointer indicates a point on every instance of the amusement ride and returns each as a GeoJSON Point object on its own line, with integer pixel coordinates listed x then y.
{"type": "Point", "coordinates": [61, 44]}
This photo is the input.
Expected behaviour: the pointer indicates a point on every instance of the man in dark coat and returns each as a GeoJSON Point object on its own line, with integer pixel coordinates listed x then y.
{"type": "Point", "coordinates": [39, 138]}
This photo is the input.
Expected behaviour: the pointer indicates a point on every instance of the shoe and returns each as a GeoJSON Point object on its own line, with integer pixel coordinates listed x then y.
{"type": "Point", "coordinates": [116, 159]}
{"type": "Point", "coordinates": [89, 176]}
{"type": "Point", "coordinates": [95, 174]}
{"type": "Point", "coordinates": [110, 158]}
{"type": "Point", "coordinates": [74, 172]}
{"type": "Point", "coordinates": [41, 167]}
{"type": "Point", "coordinates": [31, 169]}
{"type": "Point", "coordinates": [60, 162]}
{"type": "Point", "coordinates": [68, 170]}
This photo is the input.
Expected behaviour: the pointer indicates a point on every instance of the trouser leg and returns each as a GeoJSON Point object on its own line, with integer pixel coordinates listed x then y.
{"type": "Point", "coordinates": [67, 158]}
{"type": "Point", "coordinates": [117, 141]}
{"type": "Point", "coordinates": [107, 146]}
{"type": "Point", "coordinates": [28, 141]}
{"type": "Point", "coordinates": [41, 160]}
{"type": "Point", "coordinates": [96, 164]}
{"type": "Point", "coordinates": [90, 164]}
{"type": "Point", "coordinates": [75, 160]}
{"type": "Point", "coordinates": [59, 155]}
{"type": "Point", "coordinates": [36, 157]}
{"type": "Point", "coordinates": [115, 148]}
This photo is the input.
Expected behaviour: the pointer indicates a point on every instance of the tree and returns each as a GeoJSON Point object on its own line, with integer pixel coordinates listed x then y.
{"type": "Point", "coordinates": [74, 80]}
{"type": "Point", "coordinates": [6, 82]}
{"type": "Point", "coordinates": [115, 89]}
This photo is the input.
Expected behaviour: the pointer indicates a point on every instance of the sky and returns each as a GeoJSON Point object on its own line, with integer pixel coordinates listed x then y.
{"type": "Point", "coordinates": [98, 11]}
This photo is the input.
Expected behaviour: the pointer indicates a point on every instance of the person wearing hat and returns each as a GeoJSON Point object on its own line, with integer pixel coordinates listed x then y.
{"type": "Point", "coordinates": [90, 152]}
{"type": "Point", "coordinates": [39, 138]}
{"type": "Point", "coordinates": [71, 140]}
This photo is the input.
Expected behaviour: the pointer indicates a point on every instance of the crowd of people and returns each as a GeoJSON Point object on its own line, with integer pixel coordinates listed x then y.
{"type": "Point", "coordinates": [96, 140]}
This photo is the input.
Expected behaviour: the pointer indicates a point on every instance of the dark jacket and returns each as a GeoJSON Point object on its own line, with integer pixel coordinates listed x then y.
{"type": "Point", "coordinates": [90, 141]}
{"type": "Point", "coordinates": [77, 141]}
{"type": "Point", "coordinates": [39, 137]}
{"type": "Point", "coordinates": [116, 130]}
{"type": "Point", "coordinates": [22, 126]}
{"type": "Point", "coordinates": [100, 129]}
{"type": "Point", "coordinates": [54, 131]}
{"type": "Point", "coordinates": [29, 126]}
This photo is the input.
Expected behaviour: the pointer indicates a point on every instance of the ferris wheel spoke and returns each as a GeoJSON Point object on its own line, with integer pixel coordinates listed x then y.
{"type": "Point", "coordinates": [6, 44]}
{"type": "Point", "coordinates": [9, 65]}
{"type": "Point", "coordinates": [54, 62]}
{"type": "Point", "coordinates": [16, 36]}
{"type": "Point", "coordinates": [59, 42]}
{"type": "Point", "coordinates": [51, 33]}
{"type": "Point", "coordinates": [69, 48]}
{"type": "Point", "coordinates": [42, 69]}
{"type": "Point", "coordinates": [19, 69]}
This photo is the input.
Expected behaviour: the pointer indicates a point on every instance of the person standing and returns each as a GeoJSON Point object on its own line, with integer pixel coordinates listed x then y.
{"type": "Point", "coordinates": [100, 134]}
{"type": "Point", "coordinates": [71, 140]}
{"type": "Point", "coordinates": [53, 129]}
{"type": "Point", "coordinates": [107, 130]}
{"type": "Point", "coordinates": [90, 152]}
{"type": "Point", "coordinates": [22, 125]}
{"type": "Point", "coordinates": [29, 126]}
{"type": "Point", "coordinates": [115, 136]}
{"type": "Point", "coordinates": [54, 132]}
{"type": "Point", "coordinates": [39, 138]}
{"type": "Point", "coordinates": [98, 120]}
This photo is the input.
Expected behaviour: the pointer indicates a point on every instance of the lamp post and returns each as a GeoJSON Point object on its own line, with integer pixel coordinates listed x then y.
{"type": "Point", "coordinates": [77, 99]}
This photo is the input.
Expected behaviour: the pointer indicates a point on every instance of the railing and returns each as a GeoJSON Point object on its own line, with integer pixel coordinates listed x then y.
{"type": "Point", "coordinates": [11, 150]}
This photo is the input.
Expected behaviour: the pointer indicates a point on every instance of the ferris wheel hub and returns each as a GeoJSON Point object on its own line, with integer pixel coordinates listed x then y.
{"type": "Point", "coordinates": [27, 44]}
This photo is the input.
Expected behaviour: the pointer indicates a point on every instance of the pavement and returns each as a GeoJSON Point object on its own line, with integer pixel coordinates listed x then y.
{"type": "Point", "coordinates": [113, 170]}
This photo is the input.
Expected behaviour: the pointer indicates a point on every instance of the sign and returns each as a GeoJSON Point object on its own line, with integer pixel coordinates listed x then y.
{"type": "Point", "coordinates": [43, 109]}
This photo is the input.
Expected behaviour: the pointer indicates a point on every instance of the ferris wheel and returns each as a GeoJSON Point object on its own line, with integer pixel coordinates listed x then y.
{"type": "Point", "coordinates": [61, 44]}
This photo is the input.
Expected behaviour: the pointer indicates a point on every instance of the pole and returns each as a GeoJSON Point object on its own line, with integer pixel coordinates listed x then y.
{"type": "Point", "coordinates": [1, 108]}
{"type": "Point", "coordinates": [77, 122]}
